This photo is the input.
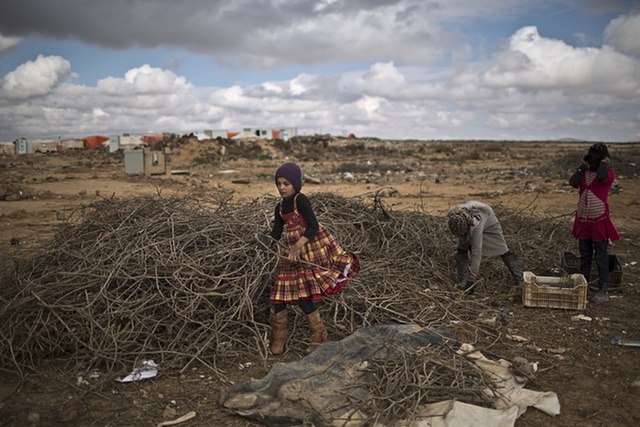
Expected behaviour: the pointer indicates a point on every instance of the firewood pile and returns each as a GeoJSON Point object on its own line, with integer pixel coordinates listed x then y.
{"type": "Point", "coordinates": [432, 374]}
{"type": "Point", "coordinates": [185, 281]}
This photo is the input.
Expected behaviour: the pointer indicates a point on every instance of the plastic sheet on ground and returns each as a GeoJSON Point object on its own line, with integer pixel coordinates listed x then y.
{"type": "Point", "coordinates": [317, 389]}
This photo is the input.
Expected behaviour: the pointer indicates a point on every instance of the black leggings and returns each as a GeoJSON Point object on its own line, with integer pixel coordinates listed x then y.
{"type": "Point", "coordinates": [306, 305]}
{"type": "Point", "coordinates": [587, 249]}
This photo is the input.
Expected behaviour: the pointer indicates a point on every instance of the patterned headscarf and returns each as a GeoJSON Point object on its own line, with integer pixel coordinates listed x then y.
{"type": "Point", "coordinates": [459, 222]}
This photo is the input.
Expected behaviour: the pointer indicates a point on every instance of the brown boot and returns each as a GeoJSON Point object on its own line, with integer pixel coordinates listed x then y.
{"type": "Point", "coordinates": [278, 331]}
{"type": "Point", "coordinates": [318, 332]}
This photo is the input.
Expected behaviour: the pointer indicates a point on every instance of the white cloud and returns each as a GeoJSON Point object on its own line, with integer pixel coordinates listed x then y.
{"type": "Point", "coordinates": [245, 33]}
{"type": "Point", "coordinates": [369, 104]}
{"type": "Point", "coordinates": [410, 77]}
{"type": "Point", "coordinates": [7, 43]}
{"type": "Point", "coordinates": [298, 85]}
{"type": "Point", "coordinates": [271, 87]}
{"type": "Point", "coordinates": [382, 78]}
{"type": "Point", "coordinates": [270, 33]}
{"type": "Point", "coordinates": [623, 33]}
{"type": "Point", "coordinates": [99, 112]}
{"type": "Point", "coordinates": [35, 78]}
{"type": "Point", "coordinates": [232, 97]}
{"type": "Point", "coordinates": [144, 80]}
{"type": "Point", "coordinates": [515, 120]}
{"type": "Point", "coordinates": [541, 63]}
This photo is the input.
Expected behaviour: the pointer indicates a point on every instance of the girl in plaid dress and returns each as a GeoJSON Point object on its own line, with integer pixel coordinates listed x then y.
{"type": "Point", "coordinates": [592, 225]}
{"type": "Point", "coordinates": [312, 265]}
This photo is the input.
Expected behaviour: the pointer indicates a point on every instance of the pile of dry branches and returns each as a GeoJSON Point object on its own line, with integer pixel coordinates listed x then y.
{"type": "Point", "coordinates": [183, 280]}
{"type": "Point", "coordinates": [407, 379]}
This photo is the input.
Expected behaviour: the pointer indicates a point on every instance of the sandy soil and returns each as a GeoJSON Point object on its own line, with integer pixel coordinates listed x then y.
{"type": "Point", "coordinates": [598, 383]}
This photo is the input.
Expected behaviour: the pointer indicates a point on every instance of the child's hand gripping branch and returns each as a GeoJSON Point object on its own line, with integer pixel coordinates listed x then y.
{"type": "Point", "coordinates": [294, 251]}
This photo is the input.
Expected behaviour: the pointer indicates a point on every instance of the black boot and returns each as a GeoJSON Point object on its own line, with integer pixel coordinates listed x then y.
{"type": "Point", "coordinates": [511, 262]}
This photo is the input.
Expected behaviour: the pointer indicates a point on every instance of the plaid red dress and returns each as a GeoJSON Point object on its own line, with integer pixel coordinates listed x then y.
{"type": "Point", "coordinates": [324, 267]}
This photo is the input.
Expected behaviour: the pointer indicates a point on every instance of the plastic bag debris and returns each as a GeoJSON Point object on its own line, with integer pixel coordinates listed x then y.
{"type": "Point", "coordinates": [147, 369]}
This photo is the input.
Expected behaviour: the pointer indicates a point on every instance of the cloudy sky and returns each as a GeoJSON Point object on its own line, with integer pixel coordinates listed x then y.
{"type": "Point", "coordinates": [398, 69]}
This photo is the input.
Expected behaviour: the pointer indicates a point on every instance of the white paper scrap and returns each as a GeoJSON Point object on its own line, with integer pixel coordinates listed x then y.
{"type": "Point", "coordinates": [147, 369]}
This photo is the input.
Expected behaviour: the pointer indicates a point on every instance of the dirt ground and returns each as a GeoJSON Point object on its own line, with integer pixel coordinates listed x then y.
{"type": "Point", "coordinates": [598, 383]}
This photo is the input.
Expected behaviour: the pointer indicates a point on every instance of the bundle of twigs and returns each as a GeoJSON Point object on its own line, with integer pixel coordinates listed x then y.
{"type": "Point", "coordinates": [183, 279]}
{"type": "Point", "coordinates": [145, 277]}
{"type": "Point", "coordinates": [407, 379]}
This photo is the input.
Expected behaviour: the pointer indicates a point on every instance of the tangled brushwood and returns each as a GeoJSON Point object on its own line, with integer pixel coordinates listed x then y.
{"type": "Point", "coordinates": [184, 280]}
{"type": "Point", "coordinates": [407, 379]}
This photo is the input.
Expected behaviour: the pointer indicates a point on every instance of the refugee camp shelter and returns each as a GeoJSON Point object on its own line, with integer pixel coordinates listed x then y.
{"type": "Point", "coordinates": [216, 133]}
{"type": "Point", "coordinates": [278, 133]}
{"type": "Point", "coordinates": [70, 143]}
{"type": "Point", "coordinates": [114, 143]}
{"type": "Point", "coordinates": [131, 140]}
{"type": "Point", "coordinates": [285, 133]}
{"type": "Point", "coordinates": [94, 141]}
{"type": "Point", "coordinates": [248, 133]}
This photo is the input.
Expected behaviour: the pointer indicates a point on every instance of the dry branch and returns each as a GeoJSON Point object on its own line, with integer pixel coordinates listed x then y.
{"type": "Point", "coordinates": [183, 280]}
